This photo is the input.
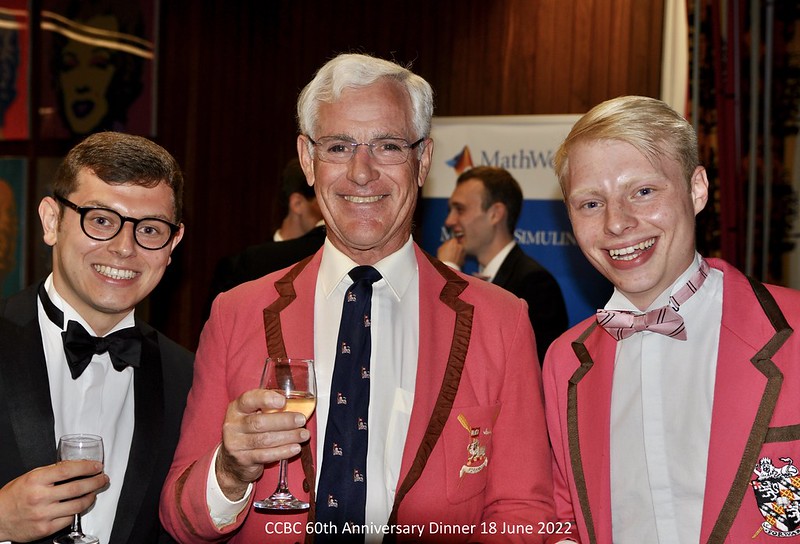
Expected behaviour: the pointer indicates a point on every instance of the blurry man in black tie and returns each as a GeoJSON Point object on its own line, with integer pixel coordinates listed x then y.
{"type": "Point", "coordinates": [113, 222]}
{"type": "Point", "coordinates": [301, 234]}
{"type": "Point", "coordinates": [484, 209]}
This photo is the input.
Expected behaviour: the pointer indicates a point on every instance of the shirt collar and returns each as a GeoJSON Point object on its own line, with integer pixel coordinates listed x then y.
{"type": "Point", "coordinates": [618, 301]}
{"type": "Point", "coordinates": [493, 266]}
{"type": "Point", "coordinates": [397, 269]}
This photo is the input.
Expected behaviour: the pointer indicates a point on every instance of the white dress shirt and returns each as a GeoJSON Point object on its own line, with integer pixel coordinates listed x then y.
{"type": "Point", "coordinates": [393, 370]}
{"type": "Point", "coordinates": [663, 393]}
{"type": "Point", "coordinates": [99, 402]}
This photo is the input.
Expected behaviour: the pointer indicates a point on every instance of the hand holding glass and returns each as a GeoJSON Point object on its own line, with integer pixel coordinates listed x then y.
{"type": "Point", "coordinates": [295, 380]}
{"type": "Point", "coordinates": [72, 447]}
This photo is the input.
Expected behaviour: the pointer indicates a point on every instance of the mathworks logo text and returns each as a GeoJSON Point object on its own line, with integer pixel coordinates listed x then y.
{"type": "Point", "coordinates": [524, 159]}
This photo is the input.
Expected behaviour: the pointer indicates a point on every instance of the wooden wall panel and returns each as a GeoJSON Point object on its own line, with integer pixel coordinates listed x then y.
{"type": "Point", "coordinates": [579, 41]}
{"type": "Point", "coordinates": [230, 73]}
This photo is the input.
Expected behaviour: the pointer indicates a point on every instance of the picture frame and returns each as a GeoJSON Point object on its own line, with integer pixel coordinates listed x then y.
{"type": "Point", "coordinates": [14, 70]}
{"type": "Point", "coordinates": [98, 66]}
{"type": "Point", "coordinates": [13, 207]}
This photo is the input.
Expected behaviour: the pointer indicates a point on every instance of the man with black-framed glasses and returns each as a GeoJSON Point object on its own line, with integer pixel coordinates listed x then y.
{"type": "Point", "coordinates": [74, 359]}
{"type": "Point", "coordinates": [103, 224]}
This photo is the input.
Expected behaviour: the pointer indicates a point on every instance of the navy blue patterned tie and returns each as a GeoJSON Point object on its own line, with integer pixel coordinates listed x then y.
{"type": "Point", "coordinates": [342, 489]}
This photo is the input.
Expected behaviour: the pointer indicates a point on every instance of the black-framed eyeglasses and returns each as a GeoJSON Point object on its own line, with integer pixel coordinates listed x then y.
{"type": "Point", "coordinates": [385, 151]}
{"type": "Point", "coordinates": [103, 224]}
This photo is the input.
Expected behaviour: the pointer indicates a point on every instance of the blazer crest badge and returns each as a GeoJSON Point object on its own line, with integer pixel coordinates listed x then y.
{"type": "Point", "coordinates": [476, 452]}
{"type": "Point", "coordinates": [777, 491]}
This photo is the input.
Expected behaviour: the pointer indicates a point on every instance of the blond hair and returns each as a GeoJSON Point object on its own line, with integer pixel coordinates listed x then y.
{"type": "Point", "coordinates": [649, 125]}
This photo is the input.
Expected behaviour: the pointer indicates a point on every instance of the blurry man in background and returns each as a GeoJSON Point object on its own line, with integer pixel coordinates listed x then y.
{"type": "Point", "coordinates": [301, 234]}
{"type": "Point", "coordinates": [484, 209]}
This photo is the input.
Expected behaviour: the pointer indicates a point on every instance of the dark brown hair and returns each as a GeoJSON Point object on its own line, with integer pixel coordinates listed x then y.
{"type": "Point", "coordinates": [121, 159]}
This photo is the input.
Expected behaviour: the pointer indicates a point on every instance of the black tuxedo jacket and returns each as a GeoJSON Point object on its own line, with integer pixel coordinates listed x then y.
{"type": "Point", "coordinates": [531, 282]}
{"type": "Point", "coordinates": [26, 415]}
{"type": "Point", "coordinates": [260, 260]}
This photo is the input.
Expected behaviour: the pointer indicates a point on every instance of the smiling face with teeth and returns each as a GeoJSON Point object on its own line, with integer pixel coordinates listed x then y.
{"type": "Point", "coordinates": [368, 207]}
{"type": "Point", "coordinates": [104, 280]}
{"type": "Point", "coordinates": [634, 220]}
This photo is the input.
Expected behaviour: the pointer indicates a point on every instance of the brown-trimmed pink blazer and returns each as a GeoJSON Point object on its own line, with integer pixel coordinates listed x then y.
{"type": "Point", "coordinates": [477, 368]}
{"type": "Point", "coordinates": [755, 416]}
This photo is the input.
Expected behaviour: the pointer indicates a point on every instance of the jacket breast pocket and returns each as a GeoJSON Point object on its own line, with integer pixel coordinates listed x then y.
{"type": "Point", "coordinates": [467, 439]}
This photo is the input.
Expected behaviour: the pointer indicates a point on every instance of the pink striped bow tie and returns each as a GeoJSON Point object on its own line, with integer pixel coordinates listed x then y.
{"type": "Point", "coordinates": [624, 323]}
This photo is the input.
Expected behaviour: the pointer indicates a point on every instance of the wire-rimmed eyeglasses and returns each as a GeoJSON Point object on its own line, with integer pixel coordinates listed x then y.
{"type": "Point", "coordinates": [103, 224]}
{"type": "Point", "coordinates": [385, 151]}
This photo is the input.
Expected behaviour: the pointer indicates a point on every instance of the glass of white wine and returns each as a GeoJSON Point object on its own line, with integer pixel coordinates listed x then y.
{"type": "Point", "coordinates": [79, 447]}
{"type": "Point", "coordinates": [295, 380]}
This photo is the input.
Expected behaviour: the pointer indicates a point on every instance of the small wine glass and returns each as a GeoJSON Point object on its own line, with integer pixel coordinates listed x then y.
{"type": "Point", "coordinates": [295, 380]}
{"type": "Point", "coordinates": [76, 447]}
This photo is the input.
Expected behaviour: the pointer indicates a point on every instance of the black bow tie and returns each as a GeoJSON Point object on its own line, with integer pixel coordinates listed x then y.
{"type": "Point", "coordinates": [124, 347]}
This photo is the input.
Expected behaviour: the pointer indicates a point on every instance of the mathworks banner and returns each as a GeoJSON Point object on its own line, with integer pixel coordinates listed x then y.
{"type": "Point", "coordinates": [523, 145]}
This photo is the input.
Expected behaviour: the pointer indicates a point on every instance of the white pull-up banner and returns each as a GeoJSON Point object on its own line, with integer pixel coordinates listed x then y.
{"type": "Point", "coordinates": [525, 146]}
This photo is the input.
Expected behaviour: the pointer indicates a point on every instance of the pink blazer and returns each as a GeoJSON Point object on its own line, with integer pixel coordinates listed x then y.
{"type": "Point", "coordinates": [477, 369]}
{"type": "Point", "coordinates": [755, 419]}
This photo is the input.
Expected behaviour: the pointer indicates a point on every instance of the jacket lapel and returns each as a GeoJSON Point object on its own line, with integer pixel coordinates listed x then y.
{"type": "Point", "coordinates": [443, 315]}
{"type": "Point", "coordinates": [148, 392]}
{"type": "Point", "coordinates": [27, 389]}
{"type": "Point", "coordinates": [298, 343]}
{"type": "Point", "coordinates": [507, 267]}
{"type": "Point", "coordinates": [287, 293]}
{"type": "Point", "coordinates": [588, 428]}
{"type": "Point", "coordinates": [745, 394]}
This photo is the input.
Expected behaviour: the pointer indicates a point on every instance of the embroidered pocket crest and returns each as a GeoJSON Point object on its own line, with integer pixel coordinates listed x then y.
{"type": "Point", "coordinates": [476, 452]}
{"type": "Point", "coordinates": [777, 491]}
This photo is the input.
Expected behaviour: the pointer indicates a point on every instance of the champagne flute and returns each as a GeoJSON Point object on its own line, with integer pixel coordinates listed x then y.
{"type": "Point", "coordinates": [295, 380]}
{"type": "Point", "coordinates": [77, 447]}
